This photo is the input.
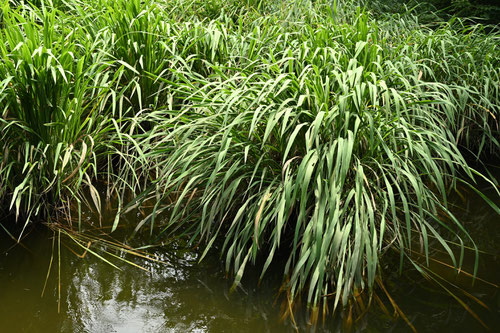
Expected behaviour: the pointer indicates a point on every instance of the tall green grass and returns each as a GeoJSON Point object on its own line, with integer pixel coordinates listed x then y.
{"type": "Point", "coordinates": [53, 118]}
{"type": "Point", "coordinates": [309, 128]}
{"type": "Point", "coordinates": [324, 146]}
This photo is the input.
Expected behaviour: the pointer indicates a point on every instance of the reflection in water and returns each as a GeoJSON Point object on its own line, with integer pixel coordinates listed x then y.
{"type": "Point", "coordinates": [183, 295]}
{"type": "Point", "coordinates": [180, 296]}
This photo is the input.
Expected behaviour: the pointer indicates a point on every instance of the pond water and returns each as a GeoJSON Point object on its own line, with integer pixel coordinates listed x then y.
{"type": "Point", "coordinates": [179, 294]}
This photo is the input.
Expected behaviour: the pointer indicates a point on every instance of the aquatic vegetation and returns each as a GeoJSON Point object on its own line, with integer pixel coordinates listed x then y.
{"type": "Point", "coordinates": [53, 116]}
{"type": "Point", "coordinates": [306, 127]}
{"type": "Point", "coordinates": [321, 148]}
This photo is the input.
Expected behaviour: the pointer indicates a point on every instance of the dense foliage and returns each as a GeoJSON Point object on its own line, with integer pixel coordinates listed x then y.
{"type": "Point", "coordinates": [472, 11]}
{"type": "Point", "coordinates": [309, 127]}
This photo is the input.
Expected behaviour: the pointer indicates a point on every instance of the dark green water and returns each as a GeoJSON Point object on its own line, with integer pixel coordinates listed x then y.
{"type": "Point", "coordinates": [182, 295]}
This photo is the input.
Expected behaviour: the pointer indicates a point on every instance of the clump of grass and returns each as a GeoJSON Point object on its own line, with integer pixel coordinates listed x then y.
{"type": "Point", "coordinates": [332, 146]}
{"type": "Point", "coordinates": [53, 119]}
{"type": "Point", "coordinates": [464, 61]}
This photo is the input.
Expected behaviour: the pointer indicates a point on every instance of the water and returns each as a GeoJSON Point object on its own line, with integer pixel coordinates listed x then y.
{"type": "Point", "coordinates": [182, 295]}
{"type": "Point", "coordinates": [177, 296]}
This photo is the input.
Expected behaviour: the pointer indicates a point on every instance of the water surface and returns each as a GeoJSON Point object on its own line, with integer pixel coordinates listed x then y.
{"type": "Point", "coordinates": [179, 294]}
